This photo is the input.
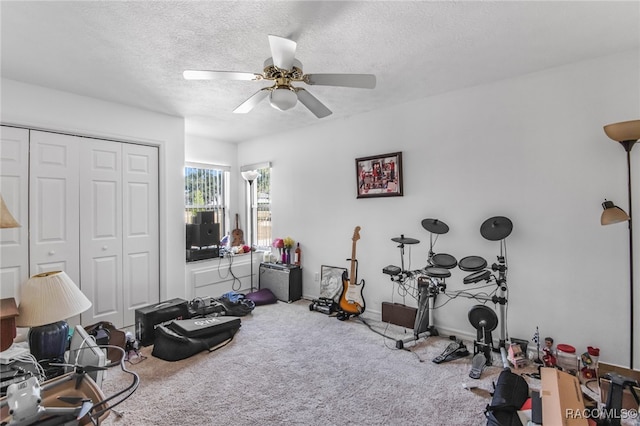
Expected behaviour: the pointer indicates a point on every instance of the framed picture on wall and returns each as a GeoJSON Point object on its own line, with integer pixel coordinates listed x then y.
{"type": "Point", "coordinates": [331, 281]}
{"type": "Point", "coordinates": [379, 175]}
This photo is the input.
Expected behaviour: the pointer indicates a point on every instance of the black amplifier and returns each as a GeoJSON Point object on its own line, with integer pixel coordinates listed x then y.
{"type": "Point", "coordinates": [284, 281]}
{"type": "Point", "coordinates": [149, 317]}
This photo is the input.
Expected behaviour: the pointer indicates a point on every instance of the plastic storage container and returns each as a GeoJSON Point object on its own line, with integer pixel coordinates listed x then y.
{"type": "Point", "coordinates": [566, 358]}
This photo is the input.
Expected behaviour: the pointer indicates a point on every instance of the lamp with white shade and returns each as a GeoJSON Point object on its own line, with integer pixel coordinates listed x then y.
{"type": "Point", "coordinates": [47, 300]}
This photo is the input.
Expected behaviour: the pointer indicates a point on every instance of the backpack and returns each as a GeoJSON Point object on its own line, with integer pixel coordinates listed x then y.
{"type": "Point", "coordinates": [511, 392]}
{"type": "Point", "coordinates": [235, 304]}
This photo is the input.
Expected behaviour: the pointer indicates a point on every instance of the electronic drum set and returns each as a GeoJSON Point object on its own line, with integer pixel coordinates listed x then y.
{"type": "Point", "coordinates": [431, 282]}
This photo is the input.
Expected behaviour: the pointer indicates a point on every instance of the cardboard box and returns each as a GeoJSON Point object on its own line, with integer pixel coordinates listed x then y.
{"type": "Point", "coordinates": [562, 399]}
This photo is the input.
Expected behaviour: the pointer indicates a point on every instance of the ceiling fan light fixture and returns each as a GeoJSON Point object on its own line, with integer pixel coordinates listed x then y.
{"type": "Point", "coordinates": [283, 98]}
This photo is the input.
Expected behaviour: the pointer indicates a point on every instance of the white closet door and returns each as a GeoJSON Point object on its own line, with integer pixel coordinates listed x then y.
{"type": "Point", "coordinates": [14, 244]}
{"type": "Point", "coordinates": [101, 229]}
{"type": "Point", "coordinates": [141, 229]}
{"type": "Point", "coordinates": [54, 204]}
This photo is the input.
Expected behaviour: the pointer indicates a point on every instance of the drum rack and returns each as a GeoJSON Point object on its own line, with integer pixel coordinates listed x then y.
{"type": "Point", "coordinates": [431, 282]}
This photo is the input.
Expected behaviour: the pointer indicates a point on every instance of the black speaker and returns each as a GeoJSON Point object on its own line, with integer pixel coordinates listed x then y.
{"type": "Point", "coordinates": [204, 218]}
{"type": "Point", "coordinates": [189, 234]}
{"type": "Point", "coordinates": [203, 235]}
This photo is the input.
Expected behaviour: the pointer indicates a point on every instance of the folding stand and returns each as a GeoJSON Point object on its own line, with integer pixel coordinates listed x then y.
{"type": "Point", "coordinates": [482, 317]}
{"type": "Point", "coordinates": [430, 281]}
{"type": "Point", "coordinates": [428, 289]}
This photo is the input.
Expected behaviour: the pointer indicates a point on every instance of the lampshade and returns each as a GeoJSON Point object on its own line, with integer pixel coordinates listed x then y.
{"type": "Point", "coordinates": [50, 297]}
{"type": "Point", "coordinates": [623, 131]}
{"type": "Point", "coordinates": [612, 214]}
{"type": "Point", "coordinates": [6, 218]}
{"type": "Point", "coordinates": [283, 98]}
{"type": "Point", "coordinates": [250, 175]}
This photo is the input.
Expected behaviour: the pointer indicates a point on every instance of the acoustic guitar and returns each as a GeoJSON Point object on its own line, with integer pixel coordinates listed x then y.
{"type": "Point", "coordinates": [351, 300]}
{"type": "Point", "coordinates": [237, 235]}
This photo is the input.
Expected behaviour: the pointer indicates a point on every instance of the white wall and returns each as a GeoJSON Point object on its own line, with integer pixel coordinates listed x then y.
{"type": "Point", "coordinates": [531, 149]}
{"type": "Point", "coordinates": [37, 107]}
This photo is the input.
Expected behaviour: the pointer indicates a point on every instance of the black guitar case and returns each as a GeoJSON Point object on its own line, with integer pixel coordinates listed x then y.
{"type": "Point", "coordinates": [181, 339]}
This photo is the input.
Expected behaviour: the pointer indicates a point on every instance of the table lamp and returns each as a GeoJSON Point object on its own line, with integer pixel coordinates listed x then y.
{"type": "Point", "coordinates": [46, 301]}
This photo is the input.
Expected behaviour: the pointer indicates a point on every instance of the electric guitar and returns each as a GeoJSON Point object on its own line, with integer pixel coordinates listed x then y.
{"type": "Point", "coordinates": [351, 300]}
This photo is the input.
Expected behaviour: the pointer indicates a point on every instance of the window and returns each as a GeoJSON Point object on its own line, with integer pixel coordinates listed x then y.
{"type": "Point", "coordinates": [263, 208]}
{"type": "Point", "coordinates": [205, 190]}
{"type": "Point", "coordinates": [261, 205]}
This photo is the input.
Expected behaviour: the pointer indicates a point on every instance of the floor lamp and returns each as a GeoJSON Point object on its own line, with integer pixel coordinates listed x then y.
{"type": "Point", "coordinates": [627, 134]}
{"type": "Point", "coordinates": [250, 176]}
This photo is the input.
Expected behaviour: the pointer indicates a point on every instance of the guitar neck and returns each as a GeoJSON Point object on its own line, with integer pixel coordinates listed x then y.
{"type": "Point", "coordinates": [354, 279]}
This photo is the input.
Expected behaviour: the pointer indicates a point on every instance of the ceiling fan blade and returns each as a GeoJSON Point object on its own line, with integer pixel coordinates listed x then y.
{"type": "Point", "coordinates": [283, 52]}
{"type": "Point", "coordinates": [313, 104]}
{"type": "Point", "coordinates": [361, 81]}
{"type": "Point", "coordinates": [219, 75]}
{"type": "Point", "coordinates": [250, 103]}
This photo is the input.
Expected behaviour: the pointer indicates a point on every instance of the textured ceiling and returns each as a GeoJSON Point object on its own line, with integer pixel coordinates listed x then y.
{"type": "Point", "coordinates": [134, 52]}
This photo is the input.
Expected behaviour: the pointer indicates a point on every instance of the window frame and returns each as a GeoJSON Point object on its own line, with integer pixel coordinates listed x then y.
{"type": "Point", "coordinates": [221, 209]}
{"type": "Point", "coordinates": [253, 207]}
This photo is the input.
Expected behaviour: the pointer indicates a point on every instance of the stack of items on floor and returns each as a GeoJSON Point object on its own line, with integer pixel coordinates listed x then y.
{"type": "Point", "coordinates": [561, 400]}
{"type": "Point", "coordinates": [178, 329]}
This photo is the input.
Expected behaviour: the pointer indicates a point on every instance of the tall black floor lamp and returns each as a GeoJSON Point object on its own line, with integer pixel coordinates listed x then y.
{"type": "Point", "coordinates": [250, 176]}
{"type": "Point", "coordinates": [627, 133]}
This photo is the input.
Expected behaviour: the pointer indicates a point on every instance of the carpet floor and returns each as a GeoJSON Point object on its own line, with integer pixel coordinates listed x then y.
{"type": "Point", "coordinates": [290, 365]}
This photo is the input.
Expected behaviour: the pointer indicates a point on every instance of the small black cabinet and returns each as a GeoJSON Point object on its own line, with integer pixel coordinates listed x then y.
{"type": "Point", "coordinates": [284, 281]}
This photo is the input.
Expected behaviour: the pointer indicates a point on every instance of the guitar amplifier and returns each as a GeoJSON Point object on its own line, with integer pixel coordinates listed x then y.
{"type": "Point", "coordinates": [148, 318]}
{"type": "Point", "coordinates": [284, 281]}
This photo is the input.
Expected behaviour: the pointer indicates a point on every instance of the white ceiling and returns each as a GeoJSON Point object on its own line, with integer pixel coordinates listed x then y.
{"type": "Point", "coordinates": [134, 52]}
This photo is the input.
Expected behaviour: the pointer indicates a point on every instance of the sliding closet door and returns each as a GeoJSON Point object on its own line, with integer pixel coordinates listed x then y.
{"type": "Point", "coordinates": [119, 254]}
{"type": "Point", "coordinates": [141, 229]}
{"type": "Point", "coordinates": [53, 204]}
{"type": "Point", "coordinates": [94, 214]}
{"type": "Point", "coordinates": [101, 229]}
{"type": "Point", "coordinates": [14, 178]}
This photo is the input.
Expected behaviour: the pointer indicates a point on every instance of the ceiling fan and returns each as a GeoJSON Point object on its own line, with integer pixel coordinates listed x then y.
{"type": "Point", "coordinates": [283, 69]}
